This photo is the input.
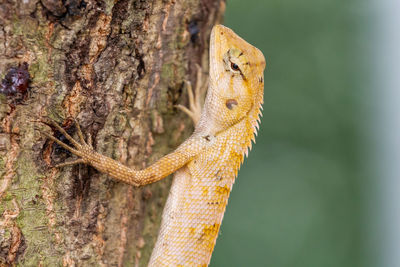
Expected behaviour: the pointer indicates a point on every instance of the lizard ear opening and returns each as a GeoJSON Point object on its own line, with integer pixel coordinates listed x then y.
{"type": "Point", "coordinates": [231, 103]}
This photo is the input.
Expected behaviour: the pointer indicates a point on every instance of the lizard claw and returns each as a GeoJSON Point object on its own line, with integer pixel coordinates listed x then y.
{"type": "Point", "coordinates": [77, 148]}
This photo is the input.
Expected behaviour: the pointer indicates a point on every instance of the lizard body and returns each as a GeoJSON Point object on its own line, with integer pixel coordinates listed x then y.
{"type": "Point", "coordinates": [206, 164]}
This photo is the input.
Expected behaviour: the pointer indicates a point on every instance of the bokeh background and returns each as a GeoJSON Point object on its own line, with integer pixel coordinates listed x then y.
{"type": "Point", "coordinates": [308, 194]}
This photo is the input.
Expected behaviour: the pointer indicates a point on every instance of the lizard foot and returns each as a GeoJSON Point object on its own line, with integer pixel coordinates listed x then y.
{"type": "Point", "coordinates": [79, 148]}
{"type": "Point", "coordinates": [195, 99]}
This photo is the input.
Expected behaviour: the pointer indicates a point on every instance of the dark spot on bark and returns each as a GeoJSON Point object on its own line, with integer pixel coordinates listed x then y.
{"type": "Point", "coordinates": [213, 203]}
{"type": "Point", "coordinates": [120, 11]}
{"type": "Point", "coordinates": [141, 69]}
{"type": "Point", "coordinates": [146, 194]}
{"type": "Point", "coordinates": [260, 79]}
{"type": "Point", "coordinates": [54, 8]}
{"type": "Point", "coordinates": [100, 109]}
{"type": "Point", "coordinates": [74, 7]}
{"type": "Point", "coordinates": [16, 82]}
{"type": "Point", "coordinates": [93, 209]}
{"type": "Point", "coordinates": [193, 30]}
{"type": "Point", "coordinates": [58, 10]}
{"type": "Point", "coordinates": [231, 103]}
{"type": "Point", "coordinates": [35, 199]}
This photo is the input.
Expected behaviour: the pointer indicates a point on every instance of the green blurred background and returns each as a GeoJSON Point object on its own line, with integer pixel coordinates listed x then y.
{"type": "Point", "coordinates": [298, 198]}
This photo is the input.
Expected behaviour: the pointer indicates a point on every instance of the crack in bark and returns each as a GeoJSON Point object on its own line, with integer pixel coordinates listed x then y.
{"type": "Point", "coordinates": [16, 242]}
{"type": "Point", "coordinates": [12, 155]}
{"type": "Point", "coordinates": [49, 198]}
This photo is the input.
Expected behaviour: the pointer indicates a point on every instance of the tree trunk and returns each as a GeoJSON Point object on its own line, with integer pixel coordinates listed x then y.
{"type": "Point", "coordinates": [119, 68]}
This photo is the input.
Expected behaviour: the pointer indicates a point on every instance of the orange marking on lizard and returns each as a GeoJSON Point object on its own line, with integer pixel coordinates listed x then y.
{"type": "Point", "coordinates": [222, 190]}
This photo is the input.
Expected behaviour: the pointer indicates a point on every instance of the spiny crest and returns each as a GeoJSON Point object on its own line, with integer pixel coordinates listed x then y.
{"type": "Point", "coordinates": [255, 120]}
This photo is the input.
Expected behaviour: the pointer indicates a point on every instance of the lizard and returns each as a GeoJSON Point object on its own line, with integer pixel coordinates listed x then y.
{"type": "Point", "coordinates": [205, 166]}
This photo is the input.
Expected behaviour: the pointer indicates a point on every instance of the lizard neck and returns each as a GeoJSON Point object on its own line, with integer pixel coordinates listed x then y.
{"type": "Point", "coordinates": [212, 121]}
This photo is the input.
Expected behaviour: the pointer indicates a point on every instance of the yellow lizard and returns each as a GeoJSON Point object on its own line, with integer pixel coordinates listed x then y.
{"type": "Point", "coordinates": [206, 164]}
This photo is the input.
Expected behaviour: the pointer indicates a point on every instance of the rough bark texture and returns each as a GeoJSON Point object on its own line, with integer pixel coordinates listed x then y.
{"type": "Point", "coordinates": [119, 68]}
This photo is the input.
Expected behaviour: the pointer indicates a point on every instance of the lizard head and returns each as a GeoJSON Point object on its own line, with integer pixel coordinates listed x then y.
{"type": "Point", "coordinates": [236, 79]}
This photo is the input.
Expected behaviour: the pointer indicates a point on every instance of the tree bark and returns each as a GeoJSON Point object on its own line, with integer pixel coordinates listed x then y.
{"type": "Point", "coordinates": [119, 68]}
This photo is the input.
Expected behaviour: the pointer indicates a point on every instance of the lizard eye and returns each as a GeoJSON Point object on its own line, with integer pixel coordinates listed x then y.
{"type": "Point", "coordinates": [234, 67]}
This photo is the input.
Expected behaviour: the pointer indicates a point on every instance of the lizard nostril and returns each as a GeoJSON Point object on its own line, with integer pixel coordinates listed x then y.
{"type": "Point", "coordinates": [231, 103]}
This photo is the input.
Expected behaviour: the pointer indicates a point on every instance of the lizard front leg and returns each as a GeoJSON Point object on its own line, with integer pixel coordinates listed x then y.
{"type": "Point", "coordinates": [195, 98]}
{"type": "Point", "coordinates": [160, 169]}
